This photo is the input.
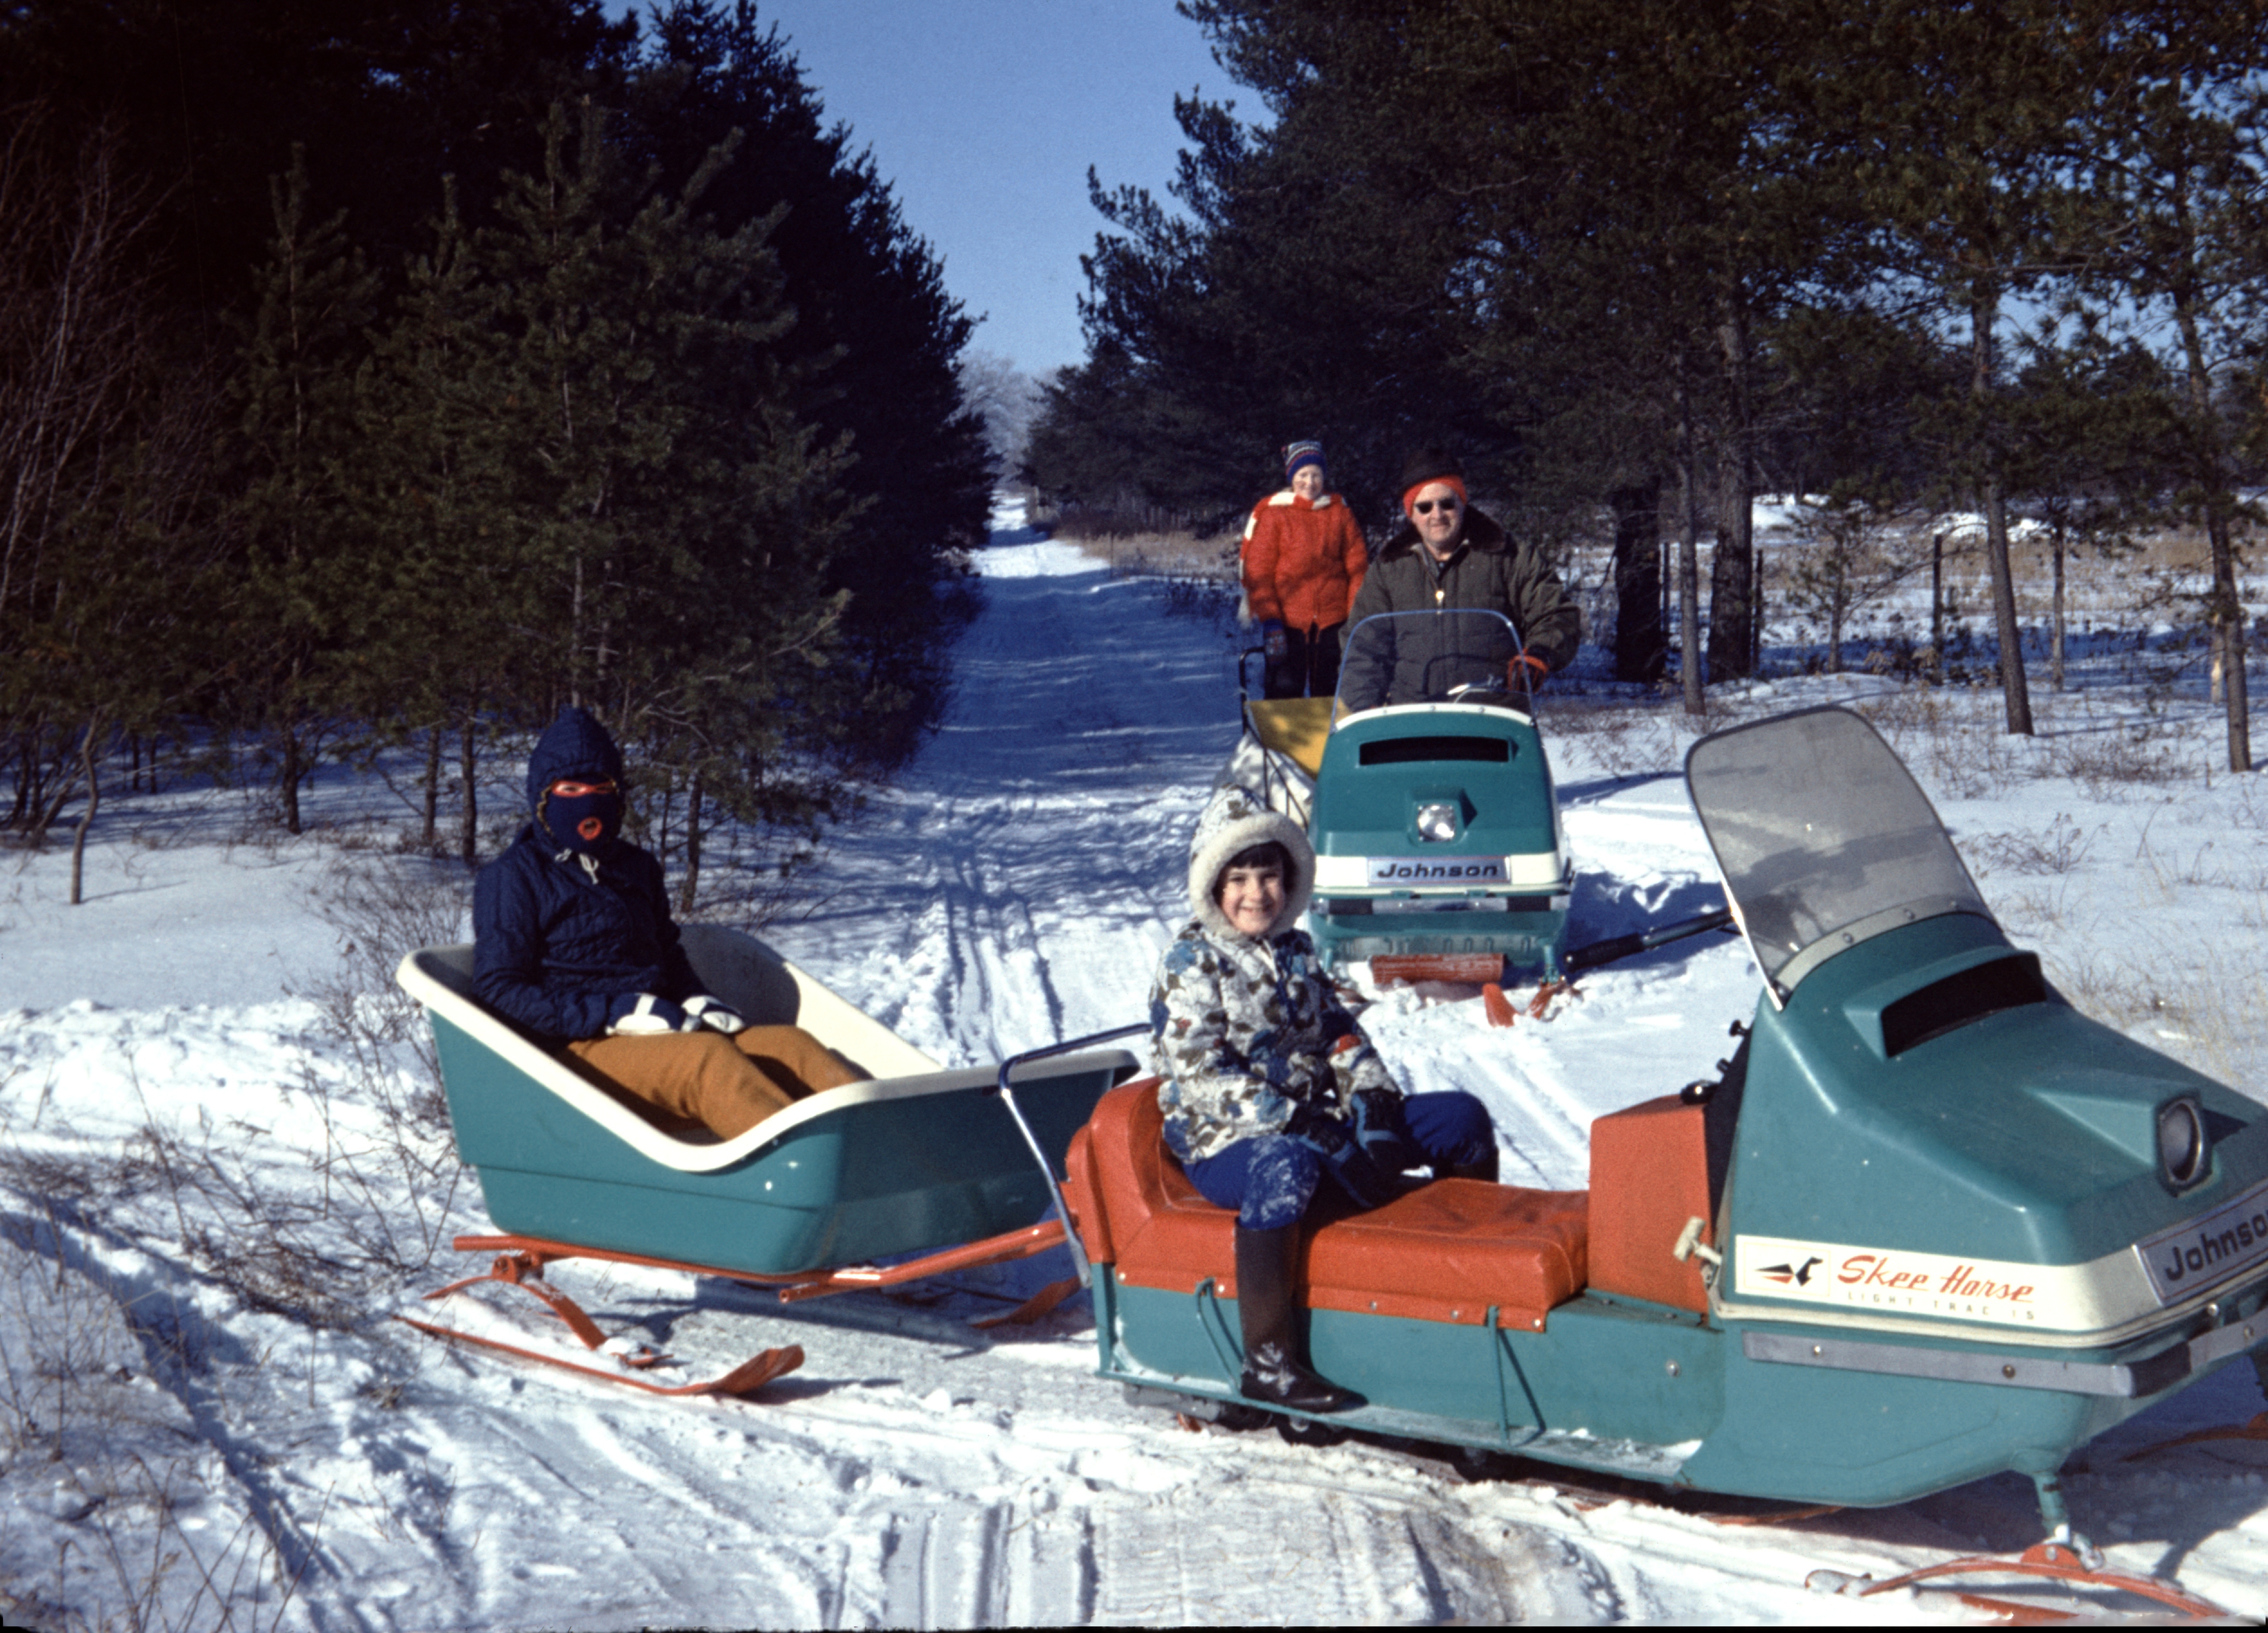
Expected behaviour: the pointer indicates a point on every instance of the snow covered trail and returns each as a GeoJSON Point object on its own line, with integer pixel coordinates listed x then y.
{"type": "Point", "coordinates": [208, 1209]}
{"type": "Point", "coordinates": [1018, 885]}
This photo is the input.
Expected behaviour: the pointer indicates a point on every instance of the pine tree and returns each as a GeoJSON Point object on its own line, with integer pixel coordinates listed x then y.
{"type": "Point", "coordinates": [673, 517]}
{"type": "Point", "coordinates": [2178, 152]}
{"type": "Point", "coordinates": [874, 347]}
{"type": "Point", "coordinates": [1961, 125]}
{"type": "Point", "coordinates": [446, 637]}
{"type": "Point", "coordinates": [294, 429]}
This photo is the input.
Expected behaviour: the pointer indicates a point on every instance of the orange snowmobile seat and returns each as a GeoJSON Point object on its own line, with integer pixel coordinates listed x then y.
{"type": "Point", "coordinates": [1450, 1250]}
{"type": "Point", "coordinates": [1649, 1175]}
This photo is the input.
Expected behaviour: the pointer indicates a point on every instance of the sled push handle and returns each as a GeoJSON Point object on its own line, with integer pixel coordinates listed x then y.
{"type": "Point", "coordinates": [1008, 1096]}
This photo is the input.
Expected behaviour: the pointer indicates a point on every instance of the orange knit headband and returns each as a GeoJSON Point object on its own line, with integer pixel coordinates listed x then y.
{"type": "Point", "coordinates": [1409, 496]}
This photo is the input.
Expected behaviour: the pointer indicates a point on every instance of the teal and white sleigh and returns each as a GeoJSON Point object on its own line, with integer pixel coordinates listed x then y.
{"type": "Point", "coordinates": [919, 1157]}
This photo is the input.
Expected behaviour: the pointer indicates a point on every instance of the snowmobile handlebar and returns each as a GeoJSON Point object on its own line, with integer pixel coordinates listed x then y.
{"type": "Point", "coordinates": [1007, 1094]}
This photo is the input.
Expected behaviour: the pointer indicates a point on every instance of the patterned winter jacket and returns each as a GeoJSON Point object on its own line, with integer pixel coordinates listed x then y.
{"type": "Point", "coordinates": [1245, 1032]}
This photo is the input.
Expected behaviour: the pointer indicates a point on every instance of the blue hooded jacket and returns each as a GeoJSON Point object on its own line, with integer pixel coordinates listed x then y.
{"type": "Point", "coordinates": [558, 947]}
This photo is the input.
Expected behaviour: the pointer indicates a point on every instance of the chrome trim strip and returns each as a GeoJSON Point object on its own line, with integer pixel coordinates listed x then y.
{"type": "Point", "coordinates": [2121, 1380]}
{"type": "Point", "coordinates": [2212, 1349]}
{"type": "Point", "coordinates": [1844, 937]}
{"type": "Point", "coordinates": [1955, 1366]}
{"type": "Point", "coordinates": [1486, 711]}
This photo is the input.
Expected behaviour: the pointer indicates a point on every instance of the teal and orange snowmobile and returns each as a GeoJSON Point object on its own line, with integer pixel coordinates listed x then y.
{"type": "Point", "coordinates": [1930, 1223]}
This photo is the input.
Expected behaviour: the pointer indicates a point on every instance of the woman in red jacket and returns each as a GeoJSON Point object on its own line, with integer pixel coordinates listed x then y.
{"type": "Point", "coordinates": [1304, 559]}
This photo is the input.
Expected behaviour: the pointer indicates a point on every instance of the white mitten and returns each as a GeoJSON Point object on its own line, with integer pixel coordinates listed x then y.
{"type": "Point", "coordinates": [703, 1010]}
{"type": "Point", "coordinates": [638, 1014]}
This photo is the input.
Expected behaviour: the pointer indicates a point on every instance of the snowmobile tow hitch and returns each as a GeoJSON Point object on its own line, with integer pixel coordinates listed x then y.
{"type": "Point", "coordinates": [1487, 970]}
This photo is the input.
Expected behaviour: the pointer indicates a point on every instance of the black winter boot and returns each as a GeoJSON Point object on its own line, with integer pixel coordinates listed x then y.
{"type": "Point", "coordinates": [1485, 1168]}
{"type": "Point", "coordinates": [1265, 1265]}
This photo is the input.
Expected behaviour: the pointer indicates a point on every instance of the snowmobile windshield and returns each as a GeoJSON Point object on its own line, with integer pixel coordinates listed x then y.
{"type": "Point", "coordinates": [1824, 837]}
{"type": "Point", "coordinates": [1454, 655]}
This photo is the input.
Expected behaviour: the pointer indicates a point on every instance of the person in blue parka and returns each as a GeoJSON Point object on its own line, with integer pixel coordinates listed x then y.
{"type": "Point", "coordinates": [573, 940]}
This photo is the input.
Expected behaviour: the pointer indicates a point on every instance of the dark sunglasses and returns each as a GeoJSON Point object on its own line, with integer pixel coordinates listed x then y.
{"type": "Point", "coordinates": [1425, 508]}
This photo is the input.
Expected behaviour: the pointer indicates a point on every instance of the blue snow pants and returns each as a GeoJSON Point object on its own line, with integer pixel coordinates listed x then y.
{"type": "Point", "coordinates": [1271, 1180]}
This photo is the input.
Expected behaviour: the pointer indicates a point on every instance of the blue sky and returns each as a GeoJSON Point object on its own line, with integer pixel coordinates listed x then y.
{"type": "Point", "coordinates": [985, 114]}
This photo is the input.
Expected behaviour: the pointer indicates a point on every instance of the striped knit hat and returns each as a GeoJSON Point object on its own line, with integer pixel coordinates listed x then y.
{"type": "Point", "coordinates": [1300, 454]}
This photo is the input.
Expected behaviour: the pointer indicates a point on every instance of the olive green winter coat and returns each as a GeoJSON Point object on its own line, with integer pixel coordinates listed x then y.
{"type": "Point", "coordinates": [1488, 572]}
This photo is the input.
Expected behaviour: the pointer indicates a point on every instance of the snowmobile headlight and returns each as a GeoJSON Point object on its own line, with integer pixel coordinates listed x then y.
{"type": "Point", "coordinates": [2182, 1152]}
{"type": "Point", "coordinates": [1437, 822]}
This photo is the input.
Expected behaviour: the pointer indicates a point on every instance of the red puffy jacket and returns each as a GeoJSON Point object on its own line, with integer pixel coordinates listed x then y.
{"type": "Point", "coordinates": [1303, 561]}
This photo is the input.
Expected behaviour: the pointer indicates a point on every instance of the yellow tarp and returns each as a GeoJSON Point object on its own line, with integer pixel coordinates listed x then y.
{"type": "Point", "coordinates": [1294, 728]}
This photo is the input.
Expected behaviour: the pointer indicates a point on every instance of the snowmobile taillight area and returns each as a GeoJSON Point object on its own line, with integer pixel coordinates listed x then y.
{"type": "Point", "coordinates": [1475, 969]}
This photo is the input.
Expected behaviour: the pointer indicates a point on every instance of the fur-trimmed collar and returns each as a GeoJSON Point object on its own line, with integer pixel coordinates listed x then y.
{"type": "Point", "coordinates": [1285, 496]}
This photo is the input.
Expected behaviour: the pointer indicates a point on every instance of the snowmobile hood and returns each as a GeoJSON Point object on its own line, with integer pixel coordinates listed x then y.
{"type": "Point", "coordinates": [1926, 1104]}
{"type": "Point", "coordinates": [575, 746]}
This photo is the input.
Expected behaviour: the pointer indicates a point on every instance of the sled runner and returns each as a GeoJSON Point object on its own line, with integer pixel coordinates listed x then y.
{"type": "Point", "coordinates": [919, 1157]}
{"type": "Point", "coordinates": [1930, 1223]}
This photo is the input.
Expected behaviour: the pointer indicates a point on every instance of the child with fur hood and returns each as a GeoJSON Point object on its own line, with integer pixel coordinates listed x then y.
{"type": "Point", "coordinates": [1269, 1086]}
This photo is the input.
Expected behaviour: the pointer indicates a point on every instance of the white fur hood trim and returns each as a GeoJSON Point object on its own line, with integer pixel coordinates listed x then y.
{"type": "Point", "coordinates": [1233, 821]}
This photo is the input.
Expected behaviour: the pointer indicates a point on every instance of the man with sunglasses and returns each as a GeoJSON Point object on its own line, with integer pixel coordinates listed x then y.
{"type": "Point", "coordinates": [573, 940]}
{"type": "Point", "coordinates": [1449, 557]}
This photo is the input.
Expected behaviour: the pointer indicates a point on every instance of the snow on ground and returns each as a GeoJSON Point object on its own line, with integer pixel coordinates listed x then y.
{"type": "Point", "coordinates": [211, 1198]}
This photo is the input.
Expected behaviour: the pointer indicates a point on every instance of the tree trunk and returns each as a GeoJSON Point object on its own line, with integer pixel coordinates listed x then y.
{"type": "Point", "coordinates": [87, 769]}
{"type": "Point", "coordinates": [2228, 607]}
{"type": "Point", "coordinates": [25, 801]}
{"type": "Point", "coordinates": [692, 881]}
{"type": "Point", "coordinates": [1937, 599]}
{"type": "Point", "coordinates": [575, 644]}
{"type": "Point", "coordinates": [1755, 614]}
{"type": "Point", "coordinates": [2055, 616]}
{"type": "Point", "coordinates": [1731, 642]}
{"type": "Point", "coordinates": [2225, 612]}
{"type": "Point", "coordinates": [433, 829]}
{"type": "Point", "coordinates": [1688, 560]}
{"type": "Point", "coordinates": [289, 778]}
{"type": "Point", "coordinates": [469, 833]}
{"type": "Point", "coordinates": [1666, 572]}
{"type": "Point", "coordinates": [1641, 646]}
{"type": "Point", "coordinates": [1983, 315]}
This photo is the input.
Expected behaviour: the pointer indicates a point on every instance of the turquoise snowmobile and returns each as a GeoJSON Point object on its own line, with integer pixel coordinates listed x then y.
{"type": "Point", "coordinates": [1438, 848]}
{"type": "Point", "coordinates": [1930, 1223]}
